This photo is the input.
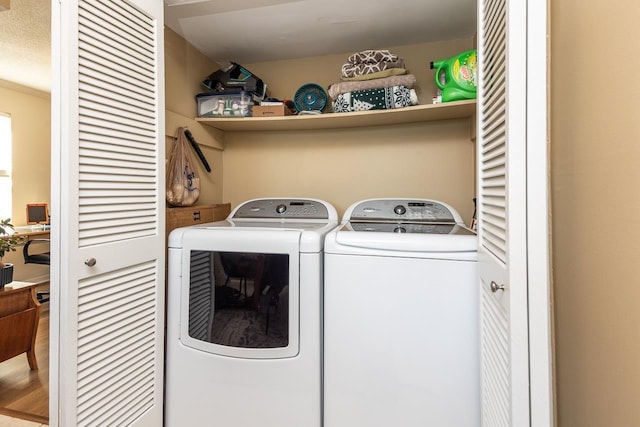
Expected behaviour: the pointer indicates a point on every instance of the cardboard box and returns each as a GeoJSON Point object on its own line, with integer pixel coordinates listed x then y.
{"type": "Point", "coordinates": [271, 110]}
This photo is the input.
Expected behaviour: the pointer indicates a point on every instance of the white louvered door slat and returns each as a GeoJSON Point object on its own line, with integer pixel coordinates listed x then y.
{"type": "Point", "coordinates": [502, 213]}
{"type": "Point", "coordinates": [111, 210]}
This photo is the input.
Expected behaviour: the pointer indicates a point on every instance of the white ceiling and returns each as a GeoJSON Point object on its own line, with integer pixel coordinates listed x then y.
{"type": "Point", "coordinates": [248, 31]}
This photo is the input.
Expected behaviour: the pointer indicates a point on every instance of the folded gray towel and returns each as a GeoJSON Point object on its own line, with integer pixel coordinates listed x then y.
{"type": "Point", "coordinates": [406, 80]}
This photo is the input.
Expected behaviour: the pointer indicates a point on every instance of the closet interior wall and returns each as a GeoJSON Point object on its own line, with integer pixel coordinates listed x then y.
{"type": "Point", "coordinates": [431, 159]}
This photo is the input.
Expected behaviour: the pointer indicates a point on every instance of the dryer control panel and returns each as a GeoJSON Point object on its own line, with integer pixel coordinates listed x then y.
{"type": "Point", "coordinates": [282, 209]}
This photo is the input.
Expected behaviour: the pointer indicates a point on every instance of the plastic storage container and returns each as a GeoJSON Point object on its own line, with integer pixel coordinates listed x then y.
{"type": "Point", "coordinates": [224, 104]}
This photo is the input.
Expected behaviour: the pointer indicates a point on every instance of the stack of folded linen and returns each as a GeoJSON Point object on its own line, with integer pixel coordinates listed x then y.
{"type": "Point", "coordinates": [373, 80]}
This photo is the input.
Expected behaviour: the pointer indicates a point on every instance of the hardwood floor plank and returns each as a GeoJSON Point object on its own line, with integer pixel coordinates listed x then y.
{"type": "Point", "coordinates": [6, 421]}
{"type": "Point", "coordinates": [25, 416]}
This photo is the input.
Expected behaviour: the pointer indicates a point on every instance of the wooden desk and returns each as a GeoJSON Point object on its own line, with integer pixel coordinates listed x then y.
{"type": "Point", "coordinates": [31, 233]}
{"type": "Point", "coordinates": [19, 316]}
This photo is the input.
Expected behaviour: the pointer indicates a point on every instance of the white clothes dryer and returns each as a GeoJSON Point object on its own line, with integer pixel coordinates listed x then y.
{"type": "Point", "coordinates": [401, 317]}
{"type": "Point", "coordinates": [244, 317]}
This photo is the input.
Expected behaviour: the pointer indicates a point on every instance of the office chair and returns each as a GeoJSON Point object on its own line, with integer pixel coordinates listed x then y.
{"type": "Point", "coordinates": [43, 258]}
{"type": "Point", "coordinates": [235, 266]}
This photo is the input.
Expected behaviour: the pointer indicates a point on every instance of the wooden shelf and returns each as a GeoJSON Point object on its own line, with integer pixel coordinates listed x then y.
{"type": "Point", "coordinates": [418, 113]}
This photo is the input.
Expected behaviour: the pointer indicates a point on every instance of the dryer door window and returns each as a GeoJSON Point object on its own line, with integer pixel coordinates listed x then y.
{"type": "Point", "coordinates": [241, 299]}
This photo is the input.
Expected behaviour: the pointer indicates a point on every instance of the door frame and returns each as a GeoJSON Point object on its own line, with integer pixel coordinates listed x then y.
{"type": "Point", "coordinates": [538, 218]}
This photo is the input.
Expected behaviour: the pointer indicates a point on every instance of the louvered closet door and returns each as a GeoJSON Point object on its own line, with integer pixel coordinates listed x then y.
{"type": "Point", "coordinates": [501, 143]}
{"type": "Point", "coordinates": [108, 213]}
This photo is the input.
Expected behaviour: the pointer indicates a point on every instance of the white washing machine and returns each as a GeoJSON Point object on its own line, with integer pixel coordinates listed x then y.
{"type": "Point", "coordinates": [244, 321]}
{"type": "Point", "coordinates": [401, 317]}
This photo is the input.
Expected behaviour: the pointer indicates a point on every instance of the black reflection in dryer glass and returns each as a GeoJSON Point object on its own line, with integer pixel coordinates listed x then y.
{"type": "Point", "coordinates": [239, 299]}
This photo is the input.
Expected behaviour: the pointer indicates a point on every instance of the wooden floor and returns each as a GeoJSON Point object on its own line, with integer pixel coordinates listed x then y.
{"type": "Point", "coordinates": [25, 393]}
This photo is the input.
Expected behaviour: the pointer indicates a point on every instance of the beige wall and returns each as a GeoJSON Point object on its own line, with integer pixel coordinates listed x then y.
{"type": "Point", "coordinates": [433, 160]}
{"type": "Point", "coordinates": [185, 68]}
{"type": "Point", "coordinates": [595, 156]}
{"type": "Point", "coordinates": [31, 158]}
{"type": "Point", "coordinates": [31, 162]}
{"type": "Point", "coordinates": [342, 166]}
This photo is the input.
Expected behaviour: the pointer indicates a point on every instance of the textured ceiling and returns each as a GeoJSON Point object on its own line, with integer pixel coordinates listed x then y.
{"type": "Point", "coordinates": [249, 31]}
{"type": "Point", "coordinates": [25, 43]}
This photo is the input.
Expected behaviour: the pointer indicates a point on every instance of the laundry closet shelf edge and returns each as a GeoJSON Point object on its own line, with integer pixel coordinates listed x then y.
{"type": "Point", "coordinates": [414, 114]}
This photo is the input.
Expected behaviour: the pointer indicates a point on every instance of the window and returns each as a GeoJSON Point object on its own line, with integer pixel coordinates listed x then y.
{"type": "Point", "coordinates": [5, 165]}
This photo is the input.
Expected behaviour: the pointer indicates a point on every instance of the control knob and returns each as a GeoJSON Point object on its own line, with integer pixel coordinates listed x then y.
{"type": "Point", "coordinates": [281, 208]}
{"type": "Point", "coordinates": [400, 210]}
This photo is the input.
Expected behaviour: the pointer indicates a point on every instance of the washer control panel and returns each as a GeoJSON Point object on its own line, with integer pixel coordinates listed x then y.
{"type": "Point", "coordinates": [282, 208]}
{"type": "Point", "coordinates": [403, 210]}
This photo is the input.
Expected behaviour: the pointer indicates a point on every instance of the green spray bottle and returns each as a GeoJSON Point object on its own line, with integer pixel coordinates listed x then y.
{"type": "Point", "coordinates": [456, 76]}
